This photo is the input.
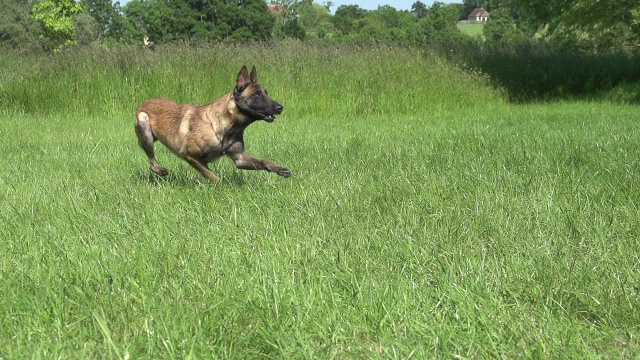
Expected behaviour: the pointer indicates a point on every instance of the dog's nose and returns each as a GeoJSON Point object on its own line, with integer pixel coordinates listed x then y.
{"type": "Point", "coordinates": [279, 108]}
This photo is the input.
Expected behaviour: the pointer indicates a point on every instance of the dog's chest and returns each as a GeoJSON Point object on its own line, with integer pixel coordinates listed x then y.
{"type": "Point", "coordinates": [213, 145]}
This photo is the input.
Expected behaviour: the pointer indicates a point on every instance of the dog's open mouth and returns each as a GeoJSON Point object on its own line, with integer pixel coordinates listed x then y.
{"type": "Point", "coordinates": [269, 118]}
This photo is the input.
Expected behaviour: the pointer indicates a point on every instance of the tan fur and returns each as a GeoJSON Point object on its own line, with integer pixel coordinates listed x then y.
{"type": "Point", "coordinates": [201, 134]}
{"type": "Point", "coordinates": [186, 129]}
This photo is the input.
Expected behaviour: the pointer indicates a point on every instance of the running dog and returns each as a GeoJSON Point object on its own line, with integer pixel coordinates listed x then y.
{"type": "Point", "coordinates": [202, 134]}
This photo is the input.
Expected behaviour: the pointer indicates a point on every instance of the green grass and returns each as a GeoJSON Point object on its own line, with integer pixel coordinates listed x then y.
{"type": "Point", "coordinates": [473, 30]}
{"type": "Point", "coordinates": [425, 218]}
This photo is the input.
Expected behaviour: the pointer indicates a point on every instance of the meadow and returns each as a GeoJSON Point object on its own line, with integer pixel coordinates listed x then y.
{"type": "Point", "coordinates": [427, 217]}
{"type": "Point", "coordinates": [473, 30]}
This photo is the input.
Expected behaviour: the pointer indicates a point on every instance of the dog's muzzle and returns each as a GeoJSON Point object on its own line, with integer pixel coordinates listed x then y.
{"type": "Point", "coordinates": [271, 117]}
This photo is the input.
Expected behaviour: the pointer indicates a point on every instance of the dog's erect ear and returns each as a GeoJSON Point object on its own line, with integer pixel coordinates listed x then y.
{"type": "Point", "coordinates": [243, 78]}
{"type": "Point", "coordinates": [254, 75]}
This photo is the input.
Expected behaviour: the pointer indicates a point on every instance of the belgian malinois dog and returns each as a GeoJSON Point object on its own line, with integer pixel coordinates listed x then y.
{"type": "Point", "coordinates": [202, 134]}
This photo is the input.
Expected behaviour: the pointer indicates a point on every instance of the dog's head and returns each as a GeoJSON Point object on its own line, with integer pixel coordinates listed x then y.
{"type": "Point", "coordinates": [252, 98]}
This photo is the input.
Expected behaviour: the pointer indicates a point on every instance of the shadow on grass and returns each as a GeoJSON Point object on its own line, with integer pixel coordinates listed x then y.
{"type": "Point", "coordinates": [541, 73]}
{"type": "Point", "coordinates": [235, 178]}
{"type": "Point", "coordinates": [542, 70]}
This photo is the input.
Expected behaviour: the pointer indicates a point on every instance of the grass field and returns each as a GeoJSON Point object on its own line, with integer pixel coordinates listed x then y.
{"type": "Point", "coordinates": [426, 217]}
{"type": "Point", "coordinates": [473, 30]}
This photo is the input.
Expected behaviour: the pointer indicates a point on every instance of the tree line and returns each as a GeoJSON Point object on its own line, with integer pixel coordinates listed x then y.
{"type": "Point", "coordinates": [54, 24]}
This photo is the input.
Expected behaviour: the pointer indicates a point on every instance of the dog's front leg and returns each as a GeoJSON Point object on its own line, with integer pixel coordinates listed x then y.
{"type": "Point", "coordinates": [201, 167]}
{"type": "Point", "coordinates": [247, 162]}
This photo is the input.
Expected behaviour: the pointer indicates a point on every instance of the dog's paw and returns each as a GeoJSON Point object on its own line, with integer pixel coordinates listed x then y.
{"type": "Point", "coordinates": [160, 171]}
{"type": "Point", "coordinates": [283, 172]}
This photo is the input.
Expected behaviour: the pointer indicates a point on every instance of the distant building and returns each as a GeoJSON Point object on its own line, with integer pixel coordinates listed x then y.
{"type": "Point", "coordinates": [277, 9]}
{"type": "Point", "coordinates": [479, 15]}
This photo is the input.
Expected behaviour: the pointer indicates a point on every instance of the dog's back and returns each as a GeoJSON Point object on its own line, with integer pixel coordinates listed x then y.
{"type": "Point", "coordinates": [164, 116]}
{"type": "Point", "coordinates": [161, 111]}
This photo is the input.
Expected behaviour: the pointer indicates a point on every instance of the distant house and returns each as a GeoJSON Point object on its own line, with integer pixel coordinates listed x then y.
{"type": "Point", "coordinates": [277, 9]}
{"type": "Point", "coordinates": [280, 11]}
{"type": "Point", "coordinates": [479, 15]}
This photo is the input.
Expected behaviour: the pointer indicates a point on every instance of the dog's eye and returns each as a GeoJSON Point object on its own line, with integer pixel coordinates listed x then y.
{"type": "Point", "coordinates": [257, 94]}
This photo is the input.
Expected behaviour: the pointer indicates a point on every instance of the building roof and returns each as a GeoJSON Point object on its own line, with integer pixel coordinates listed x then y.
{"type": "Point", "coordinates": [479, 12]}
{"type": "Point", "coordinates": [277, 9]}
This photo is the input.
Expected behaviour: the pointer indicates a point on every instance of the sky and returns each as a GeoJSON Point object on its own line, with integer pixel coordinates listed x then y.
{"type": "Point", "coordinates": [373, 4]}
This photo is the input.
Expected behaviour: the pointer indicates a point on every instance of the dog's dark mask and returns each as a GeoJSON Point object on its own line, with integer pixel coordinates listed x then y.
{"type": "Point", "coordinates": [252, 99]}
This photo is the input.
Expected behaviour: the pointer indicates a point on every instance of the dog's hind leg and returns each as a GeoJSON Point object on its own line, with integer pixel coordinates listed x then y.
{"type": "Point", "coordinates": [145, 140]}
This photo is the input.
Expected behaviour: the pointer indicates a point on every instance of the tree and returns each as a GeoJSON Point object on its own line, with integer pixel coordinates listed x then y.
{"type": "Point", "coordinates": [328, 5]}
{"type": "Point", "coordinates": [86, 29]}
{"type": "Point", "coordinates": [313, 14]}
{"type": "Point", "coordinates": [501, 29]}
{"type": "Point", "coordinates": [440, 18]}
{"type": "Point", "coordinates": [388, 15]}
{"type": "Point", "coordinates": [57, 20]}
{"type": "Point", "coordinates": [315, 19]}
{"type": "Point", "coordinates": [419, 9]}
{"type": "Point", "coordinates": [109, 17]}
{"type": "Point", "coordinates": [252, 15]}
{"type": "Point", "coordinates": [17, 27]}
{"type": "Point", "coordinates": [345, 17]}
{"type": "Point", "coordinates": [597, 24]}
{"type": "Point", "coordinates": [293, 29]}
{"type": "Point", "coordinates": [166, 20]}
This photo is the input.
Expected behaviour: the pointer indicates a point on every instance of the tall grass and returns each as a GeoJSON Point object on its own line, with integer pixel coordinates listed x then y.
{"type": "Point", "coordinates": [363, 80]}
{"type": "Point", "coordinates": [426, 218]}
